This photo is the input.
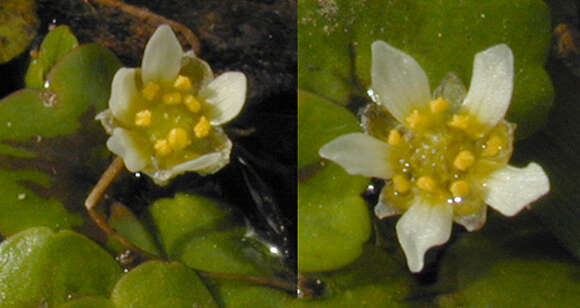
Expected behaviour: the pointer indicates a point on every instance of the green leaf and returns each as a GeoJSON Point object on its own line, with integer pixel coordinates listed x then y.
{"type": "Point", "coordinates": [334, 39]}
{"type": "Point", "coordinates": [204, 235]}
{"type": "Point", "coordinates": [46, 130]}
{"type": "Point", "coordinates": [89, 302]}
{"type": "Point", "coordinates": [18, 25]}
{"type": "Point", "coordinates": [39, 266]}
{"type": "Point", "coordinates": [160, 284]}
{"type": "Point", "coordinates": [57, 43]}
{"type": "Point", "coordinates": [511, 262]}
{"type": "Point", "coordinates": [333, 219]}
{"type": "Point", "coordinates": [129, 226]}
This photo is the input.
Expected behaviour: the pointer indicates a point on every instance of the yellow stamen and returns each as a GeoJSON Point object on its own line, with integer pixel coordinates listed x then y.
{"type": "Point", "coordinates": [202, 128]}
{"type": "Point", "coordinates": [162, 147]}
{"type": "Point", "coordinates": [493, 146]}
{"type": "Point", "coordinates": [414, 119]}
{"type": "Point", "coordinates": [172, 98]}
{"type": "Point", "coordinates": [178, 139]}
{"type": "Point", "coordinates": [459, 188]}
{"type": "Point", "coordinates": [143, 118]}
{"type": "Point", "coordinates": [192, 103]}
{"type": "Point", "coordinates": [394, 137]}
{"type": "Point", "coordinates": [464, 160]}
{"type": "Point", "coordinates": [459, 121]}
{"type": "Point", "coordinates": [182, 83]}
{"type": "Point", "coordinates": [150, 91]}
{"type": "Point", "coordinates": [427, 183]}
{"type": "Point", "coordinates": [438, 105]}
{"type": "Point", "coordinates": [401, 184]}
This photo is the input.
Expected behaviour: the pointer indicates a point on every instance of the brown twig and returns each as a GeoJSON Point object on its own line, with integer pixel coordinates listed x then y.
{"type": "Point", "coordinates": [260, 280]}
{"type": "Point", "coordinates": [146, 15]}
{"type": "Point", "coordinates": [95, 196]}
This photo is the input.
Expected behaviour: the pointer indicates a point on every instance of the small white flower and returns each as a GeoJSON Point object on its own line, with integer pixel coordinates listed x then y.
{"type": "Point", "coordinates": [164, 118]}
{"type": "Point", "coordinates": [447, 156]}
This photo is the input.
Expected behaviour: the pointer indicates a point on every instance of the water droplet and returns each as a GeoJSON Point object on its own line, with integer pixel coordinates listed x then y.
{"type": "Point", "coordinates": [21, 196]}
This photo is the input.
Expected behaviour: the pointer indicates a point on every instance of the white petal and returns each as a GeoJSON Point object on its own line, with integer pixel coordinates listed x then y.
{"type": "Point", "coordinates": [384, 208]}
{"type": "Point", "coordinates": [360, 154]}
{"type": "Point", "coordinates": [491, 85]}
{"type": "Point", "coordinates": [474, 221]}
{"type": "Point", "coordinates": [123, 89]}
{"type": "Point", "coordinates": [226, 96]}
{"type": "Point", "coordinates": [125, 144]}
{"type": "Point", "coordinates": [423, 226]}
{"type": "Point", "coordinates": [162, 56]}
{"type": "Point", "coordinates": [398, 81]}
{"type": "Point", "coordinates": [510, 189]}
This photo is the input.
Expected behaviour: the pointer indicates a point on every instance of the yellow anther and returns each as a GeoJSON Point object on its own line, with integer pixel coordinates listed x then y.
{"type": "Point", "coordinates": [150, 91]}
{"type": "Point", "coordinates": [401, 184]}
{"type": "Point", "coordinates": [178, 139]}
{"type": "Point", "coordinates": [202, 128]}
{"type": "Point", "coordinates": [414, 119]}
{"type": "Point", "coordinates": [182, 83]}
{"type": "Point", "coordinates": [492, 146]}
{"type": "Point", "coordinates": [464, 160]}
{"type": "Point", "coordinates": [459, 188]}
{"type": "Point", "coordinates": [162, 147]}
{"type": "Point", "coordinates": [427, 183]}
{"type": "Point", "coordinates": [172, 98]}
{"type": "Point", "coordinates": [459, 121]}
{"type": "Point", "coordinates": [438, 105]}
{"type": "Point", "coordinates": [192, 103]}
{"type": "Point", "coordinates": [394, 137]}
{"type": "Point", "coordinates": [143, 118]}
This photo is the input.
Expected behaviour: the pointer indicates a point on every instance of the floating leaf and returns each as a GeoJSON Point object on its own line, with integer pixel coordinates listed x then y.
{"type": "Point", "coordinates": [18, 25]}
{"type": "Point", "coordinates": [39, 266]}
{"type": "Point", "coordinates": [129, 226]}
{"type": "Point", "coordinates": [203, 234]}
{"type": "Point", "coordinates": [57, 43]}
{"type": "Point", "coordinates": [335, 38]}
{"type": "Point", "coordinates": [89, 302]}
{"type": "Point", "coordinates": [333, 219]}
{"type": "Point", "coordinates": [160, 284]}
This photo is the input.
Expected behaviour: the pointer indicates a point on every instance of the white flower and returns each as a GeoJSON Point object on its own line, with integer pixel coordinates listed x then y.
{"type": "Point", "coordinates": [447, 156]}
{"type": "Point", "coordinates": [164, 118]}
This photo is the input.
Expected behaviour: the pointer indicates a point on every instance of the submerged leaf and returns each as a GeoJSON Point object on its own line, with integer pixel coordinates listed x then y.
{"type": "Point", "coordinates": [18, 25]}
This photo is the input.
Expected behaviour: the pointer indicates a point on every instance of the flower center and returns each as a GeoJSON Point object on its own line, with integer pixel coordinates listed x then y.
{"type": "Point", "coordinates": [172, 121]}
{"type": "Point", "coordinates": [443, 156]}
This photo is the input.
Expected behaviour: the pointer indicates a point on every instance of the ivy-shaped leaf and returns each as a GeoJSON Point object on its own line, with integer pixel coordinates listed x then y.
{"type": "Point", "coordinates": [41, 267]}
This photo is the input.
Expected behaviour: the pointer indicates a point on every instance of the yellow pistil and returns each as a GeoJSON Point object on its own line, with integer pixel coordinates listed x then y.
{"type": "Point", "coordinates": [459, 188]}
{"type": "Point", "coordinates": [394, 137]}
{"type": "Point", "coordinates": [463, 160]}
{"type": "Point", "coordinates": [427, 183]}
{"type": "Point", "coordinates": [182, 83]}
{"type": "Point", "coordinates": [401, 184]}
{"type": "Point", "coordinates": [202, 127]}
{"type": "Point", "coordinates": [150, 91]}
{"type": "Point", "coordinates": [459, 121]}
{"type": "Point", "coordinates": [172, 98]}
{"type": "Point", "coordinates": [178, 139]}
{"type": "Point", "coordinates": [492, 146]}
{"type": "Point", "coordinates": [192, 103]}
{"type": "Point", "coordinates": [415, 119]}
{"type": "Point", "coordinates": [162, 147]}
{"type": "Point", "coordinates": [438, 105]}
